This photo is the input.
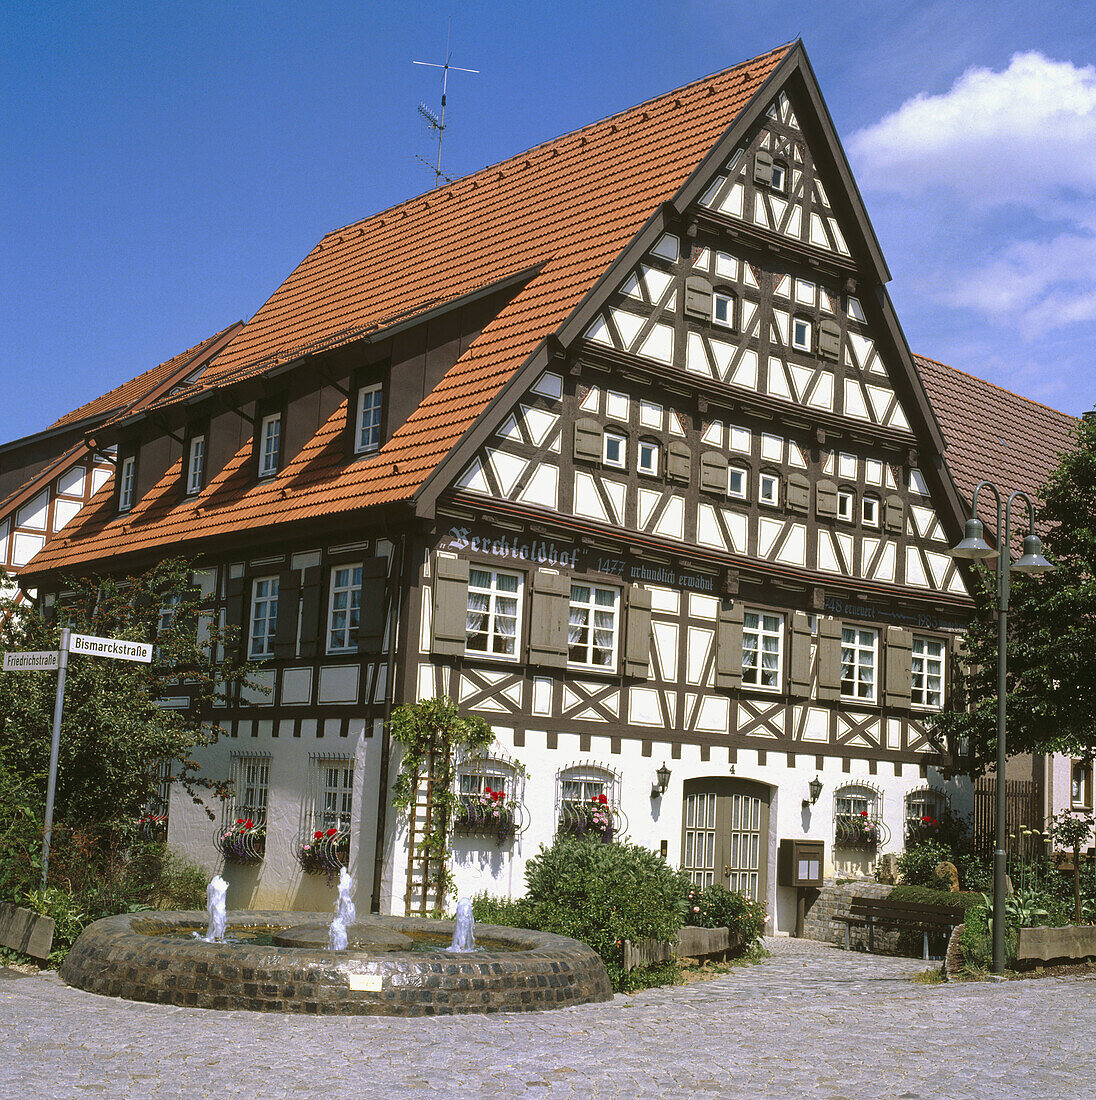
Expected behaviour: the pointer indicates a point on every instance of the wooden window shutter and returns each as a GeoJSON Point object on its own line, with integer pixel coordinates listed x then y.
{"type": "Point", "coordinates": [637, 639]}
{"type": "Point", "coordinates": [893, 511]}
{"type": "Point", "coordinates": [829, 339]}
{"type": "Point", "coordinates": [373, 605]}
{"type": "Point", "coordinates": [763, 167]}
{"type": "Point", "coordinates": [235, 594]}
{"type": "Point", "coordinates": [450, 606]}
{"type": "Point", "coordinates": [825, 498]}
{"type": "Point", "coordinates": [698, 297]}
{"type": "Point", "coordinates": [679, 462]}
{"type": "Point", "coordinates": [829, 659]}
{"type": "Point", "coordinates": [311, 609]}
{"type": "Point", "coordinates": [285, 632]}
{"type": "Point", "coordinates": [587, 440]}
{"type": "Point", "coordinates": [797, 493]}
{"type": "Point", "coordinates": [799, 680]}
{"type": "Point", "coordinates": [548, 623]}
{"type": "Point", "coordinates": [899, 664]}
{"type": "Point", "coordinates": [713, 472]}
{"type": "Point", "coordinates": [728, 648]}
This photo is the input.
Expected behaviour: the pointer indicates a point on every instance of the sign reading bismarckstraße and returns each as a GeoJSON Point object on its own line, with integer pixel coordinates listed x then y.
{"type": "Point", "coordinates": [32, 660]}
{"type": "Point", "coordinates": [117, 648]}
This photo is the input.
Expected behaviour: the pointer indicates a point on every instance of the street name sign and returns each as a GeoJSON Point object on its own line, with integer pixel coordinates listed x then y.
{"type": "Point", "coordinates": [118, 648]}
{"type": "Point", "coordinates": [32, 660]}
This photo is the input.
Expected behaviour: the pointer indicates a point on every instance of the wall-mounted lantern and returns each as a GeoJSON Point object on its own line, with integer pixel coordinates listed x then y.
{"type": "Point", "coordinates": [815, 788]}
{"type": "Point", "coordinates": [662, 781]}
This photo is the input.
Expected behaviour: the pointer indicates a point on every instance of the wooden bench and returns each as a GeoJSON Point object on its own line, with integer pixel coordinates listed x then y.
{"type": "Point", "coordinates": [906, 916]}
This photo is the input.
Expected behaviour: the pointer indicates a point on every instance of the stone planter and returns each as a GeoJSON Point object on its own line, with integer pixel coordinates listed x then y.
{"type": "Point", "coordinates": [1074, 941]}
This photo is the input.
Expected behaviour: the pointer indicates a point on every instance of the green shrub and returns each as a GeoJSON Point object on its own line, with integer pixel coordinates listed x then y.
{"type": "Point", "coordinates": [509, 912]}
{"type": "Point", "coordinates": [604, 894]}
{"type": "Point", "coordinates": [717, 907]}
{"type": "Point", "coordinates": [918, 863]}
{"type": "Point", "coordinates": [976, 941]}
{"type": "Point", "coordinates": [923, 895]}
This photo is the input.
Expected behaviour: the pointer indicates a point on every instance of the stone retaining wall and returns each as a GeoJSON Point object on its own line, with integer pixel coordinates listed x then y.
{"type": "Point", "coordinates": [835, 900]}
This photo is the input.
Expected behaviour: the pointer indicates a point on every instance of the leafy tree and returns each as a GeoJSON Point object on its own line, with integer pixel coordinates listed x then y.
{"type": "Point", "coordinates": [113, 732]}
{"type": "Point", "coordinates": [1051, 688]}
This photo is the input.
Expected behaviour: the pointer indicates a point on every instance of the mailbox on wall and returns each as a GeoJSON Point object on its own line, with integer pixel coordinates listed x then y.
{"type": "Point", "coordinates": [799, 862]}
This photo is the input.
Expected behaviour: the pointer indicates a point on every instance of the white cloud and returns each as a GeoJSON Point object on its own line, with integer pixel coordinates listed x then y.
{"type": "Point", "coordinates": [1024, 135]}
{"type": "Point", "coordinates": [994, 146]}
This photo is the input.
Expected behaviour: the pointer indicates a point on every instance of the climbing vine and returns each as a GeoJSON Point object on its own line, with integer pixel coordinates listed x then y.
{"type": "Point", "coordinates": [434, 735]}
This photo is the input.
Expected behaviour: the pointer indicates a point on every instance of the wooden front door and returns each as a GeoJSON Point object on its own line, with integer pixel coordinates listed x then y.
{"type": "Point", "coordinates": [725, 834]}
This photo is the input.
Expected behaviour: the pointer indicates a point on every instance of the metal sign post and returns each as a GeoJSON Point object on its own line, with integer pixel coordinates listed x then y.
{"type": "Point", "coordinates": [55, 750]}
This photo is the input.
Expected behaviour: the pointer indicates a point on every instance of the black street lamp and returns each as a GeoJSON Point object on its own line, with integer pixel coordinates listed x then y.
{"type": "Point", "coordinates": [975, 548]}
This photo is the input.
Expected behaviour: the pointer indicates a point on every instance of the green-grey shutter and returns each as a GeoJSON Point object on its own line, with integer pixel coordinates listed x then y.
{"type": "Point", "coordinates": [587, 440]}
{"type": "Point", "coordinates": [763, 167]}
{"type": "Point", "coordinates": [550, 613]}
{"type": "Point", "coordinates": [637, 637]}
{"type": "Point", "coordinates": [285, 631]}
{"type": "Point", "coordinates": [829, 339]}
{"type": "Point", "coordinates": [235, 590]}
{"type": "Point", "coordinates": [450, 606]}
{"type": "Point", "coordinates": [799, 679]}
{"type": "Point", "coordinates": [373, 606]}
{"type": "Point", "coordinates": [899, 667]}
{"type": "Point", "coordinates": [728, 647]}
{"type": "Point", "coordinates": [679, 461]}
{"type": "Point", "coordinates": [798, 493]}
{"type": "Point", "coordinates": [829, 659]}
{"type": "Point", "coordinates": [893, 509]}
{"type": "Point", "coordinates": [311, 628]}
{"type": "Point", "coordinates": [698, 297]}
{"type": "Point", "coordinates": [825, 498]}
{"type": "Point", "coordinates": [713, 472]}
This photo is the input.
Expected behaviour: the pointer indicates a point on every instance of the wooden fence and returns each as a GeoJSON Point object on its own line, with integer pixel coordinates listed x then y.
{"type": "Point", "coordinates": [1023, 810]}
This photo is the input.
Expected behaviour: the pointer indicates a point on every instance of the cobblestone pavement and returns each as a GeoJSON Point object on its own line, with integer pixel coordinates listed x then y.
{"type": "Point", "coordinates": [812, 1021]}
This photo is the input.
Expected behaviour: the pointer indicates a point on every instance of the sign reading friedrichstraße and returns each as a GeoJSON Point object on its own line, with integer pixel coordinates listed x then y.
{"type": "Point", "coordinates": [117, 648]}
{"type": "Point", "coordinates": [32, 660]}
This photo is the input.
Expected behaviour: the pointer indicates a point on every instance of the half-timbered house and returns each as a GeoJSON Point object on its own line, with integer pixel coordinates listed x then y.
{"type": "Point", "coordinates": [617, 443]}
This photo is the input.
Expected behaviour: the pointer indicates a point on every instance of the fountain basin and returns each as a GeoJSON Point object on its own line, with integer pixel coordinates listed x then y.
{"type": "Point", "coordinates": [361, 936]}
{"type": "Point", "coordinates": [143, 957]}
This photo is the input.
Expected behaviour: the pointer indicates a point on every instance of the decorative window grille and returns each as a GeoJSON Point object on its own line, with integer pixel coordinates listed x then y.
{"type": "Point", "coordinates": [857, 817]}
{"type": "Point", "coordinates": [593, 625]}
{"type": "Point", "coordinates": [242, 836]}
{"type": "Point", "coordinates": [491, 792]}
{"type": "Point", "coordinates": [925, 808]}
{"type": "Point", "coordinates": [344, 608]}
{"type": "Point", "coordinates": [152, 824]}
{"type": "Point", "coordinates": [927, 671]}
{"type": "Point", "coordinates": [324, 845]}
{"type": "Point", "coordinates": [494, 612]}
{"type": "Point", "coordinates": [588, 801]}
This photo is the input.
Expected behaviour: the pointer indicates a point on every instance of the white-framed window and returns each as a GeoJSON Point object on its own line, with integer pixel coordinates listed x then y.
{"type": "Point", "coordinates": [264, 617]}
{"type": "Point", "coordinates": [127, 481]}
{"type": "Point", "coordinates": [344, 607]}
{"type": "Point", "coordinates": [252, 777]}
{"type": "Point", "coordinates": [494, 612]}
{"type": "Point", "coordinates": [768, 489]}
{"type": "Point", "coordinates": [857, 817]}
{"type": "Point", "coordinates": [845, 503]}
{"type": "Point", "coordinates": [648, 457]}
{"type": "Point", "coordinates": [588, 801]}
{"type": "Point", "coordinates": [367, 436]}
{"type": "Point", "coordinates": [870, 511]}
{"type": "Point", "coordinates": [737, 482]}
{"type": "Point", "coordinates": [859, 660]}
{"type": "Point", "coordinates": [779, 176]}
{"type": "Point", "coordinates": [801, 334]}
{"type": "Point", "coordinates": [270, 434]}
{"type": "Point", "coordinates": [924, 804]}
{"type": "Point", "coordinates": [491, 792]}
{"type": "Point", "coordinates": [927, 686]}
{"type": "Point", "coordinates": [592, 630]}
{"type": "Point", "coordinates": [762, 646]}
{"type": "Point", "coordinates": [723, 309]}
{"type": "Point", "coordinates": [194, 464]}
{"type": "Point", "coordinates": [613, 446]}
{"type": "Point", "coordinates": [1080, 784]}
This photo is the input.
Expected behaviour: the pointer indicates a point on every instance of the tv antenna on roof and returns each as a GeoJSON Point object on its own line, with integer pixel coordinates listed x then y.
{"type": "Point", "coordinates": [437, 122]}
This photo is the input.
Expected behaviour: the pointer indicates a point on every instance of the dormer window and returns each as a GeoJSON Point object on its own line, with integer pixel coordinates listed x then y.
{"type": "Point", "coordinates": [127, 480]}
{"type": "Point", "coordinates": [270, 435]}
{"type": "Point", "coordinates": [801, 334]}
{"type": "Point", "coordinates": [195, 464]}
{"type": "Point", "coordinates": [370, 404]}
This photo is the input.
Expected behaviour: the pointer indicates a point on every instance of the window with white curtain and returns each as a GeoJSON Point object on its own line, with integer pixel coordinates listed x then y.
{"type": "Point", "coordinates": [592, 630]}
{"type": "Point", "coordinates": [858, 663]}
{"type": "Point", "coordinates": [762, 642]}
{"type": "Point", "coordinates": [494, 611]}
{"type": "Point", "coordinates": [927, 672]}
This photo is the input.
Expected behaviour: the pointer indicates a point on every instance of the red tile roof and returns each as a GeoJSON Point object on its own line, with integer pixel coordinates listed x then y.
{"type": "Point", "coordinates": [571, 206]}
{"type": "Point", "coordinates": [992, 433]}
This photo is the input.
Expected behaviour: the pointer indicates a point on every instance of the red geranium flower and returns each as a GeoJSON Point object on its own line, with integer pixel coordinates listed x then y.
{"type": "Point", "coordinates": [318, 836]}
{"type": "Point", "coordinates": [602, 799]}
{"type": "Point", "coordinates": [248, 824]}
{"type": "Point", "coordinates": [332, 832]}
{"type": "Point", "coordinates": [863, 813]}
{"type": "Point", "coordinates": [239, 821]}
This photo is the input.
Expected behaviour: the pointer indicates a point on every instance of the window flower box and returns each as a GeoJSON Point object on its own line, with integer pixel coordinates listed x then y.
{"type": "Point", "coordinates": [489, 812]}
{"type": "Point", "coordinates": [594, 819]}
{"type": "Point", "coordinates": [243, 842]}
{"type": "Point", "coordinates": [857, 831]}
{"type": "Point", "coordinates": [152, 827]}
{"type": "Point", "coordinates": [324, 852]}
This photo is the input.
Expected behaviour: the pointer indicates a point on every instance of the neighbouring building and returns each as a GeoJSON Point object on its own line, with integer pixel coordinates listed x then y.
{"type": "Point", "coordinates": [619, 444]}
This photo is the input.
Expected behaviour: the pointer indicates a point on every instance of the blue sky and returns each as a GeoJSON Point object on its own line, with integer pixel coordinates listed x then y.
{"type": "Point", "coordinates": [169, 164]}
